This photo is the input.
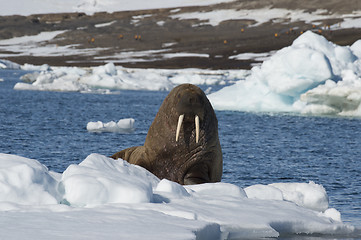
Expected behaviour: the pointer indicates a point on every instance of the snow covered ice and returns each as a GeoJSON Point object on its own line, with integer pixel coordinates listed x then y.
{"type": "Point", "coordinates": [109, 198]}
{"type": "Point", "coordinates": [312, 76]}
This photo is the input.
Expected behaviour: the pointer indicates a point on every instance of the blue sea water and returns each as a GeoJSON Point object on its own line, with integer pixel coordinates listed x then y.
{"type": "Point", "coordinates": [257, 148]}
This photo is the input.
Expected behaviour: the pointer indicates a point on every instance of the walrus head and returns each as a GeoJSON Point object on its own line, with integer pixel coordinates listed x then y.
{"type": "Point", "coordinates": [187, 115]}
{"type": "Point", "coordinates": [182, 143]}
{"type": "Point", "coordinates": [190, 107]}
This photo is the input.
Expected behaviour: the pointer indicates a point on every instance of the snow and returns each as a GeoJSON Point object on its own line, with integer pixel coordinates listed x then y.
{"type": "Point", "coordinates": [109, 198]}
{"type": "Point", "coordinates": [41, 37]}
{"type": "Point", "coordinates": [100, 25]}
{"type": "Point", "coordinates": [348, 22]}
{"type": "Point", "coordinates": [92, 6]}
{"type": "Point", "coordinates": [134, 56]}
{"type": "Point", "coordinates": [255, 56]}
{"type": "Point", "coordinates": [173, 55]}
{"type": "Point", "coordinates": [280, 15]}
{"type": "Point", "coordinates": [122, 126]}
{"type": "Point", "coordinates": [40, 45]}
{"type": "Point", "coordinates": [312, 76]}
{"type": "Point", "coordinates": [148, 55]}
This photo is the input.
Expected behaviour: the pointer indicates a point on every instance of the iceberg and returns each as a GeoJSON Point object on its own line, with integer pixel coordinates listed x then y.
{"type": "Point", "coordinates": [122, 126]}
{"type": "Point", "coordinates": [312, 76]}
{"type": "Point", "coordinates": [107, 198]}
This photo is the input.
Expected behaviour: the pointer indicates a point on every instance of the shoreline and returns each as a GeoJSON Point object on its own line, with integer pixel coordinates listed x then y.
{"type": "Point", "coordinates": [158, 38]}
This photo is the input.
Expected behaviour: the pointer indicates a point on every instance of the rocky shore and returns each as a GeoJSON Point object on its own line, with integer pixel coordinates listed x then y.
{"type": "Point", "coordinates": [176, 37]}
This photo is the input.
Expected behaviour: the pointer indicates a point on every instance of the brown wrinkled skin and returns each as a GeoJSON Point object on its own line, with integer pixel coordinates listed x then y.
{"type": "Point", "coordinates": [184, 161]}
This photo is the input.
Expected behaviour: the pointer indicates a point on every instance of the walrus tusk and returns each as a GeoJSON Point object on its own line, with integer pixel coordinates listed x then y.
{"type": "Point", "coordinates": [196, 120]}
{"type": "Point", "coordinates": [180, 120]}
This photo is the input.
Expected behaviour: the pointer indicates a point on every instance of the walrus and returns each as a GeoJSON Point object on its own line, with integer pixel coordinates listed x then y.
{"type": "Point", "coordinates": [182, 143]}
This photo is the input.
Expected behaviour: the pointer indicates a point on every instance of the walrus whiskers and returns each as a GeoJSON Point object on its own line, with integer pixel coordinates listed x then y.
{"type": "Point", "coordinates": [196, 120]}
{"type": "Point", "coordinates": [180, 120]}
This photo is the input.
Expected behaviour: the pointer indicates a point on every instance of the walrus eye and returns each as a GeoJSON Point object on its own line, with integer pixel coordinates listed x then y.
{"type": "Point", "coordinates": [179, 125]}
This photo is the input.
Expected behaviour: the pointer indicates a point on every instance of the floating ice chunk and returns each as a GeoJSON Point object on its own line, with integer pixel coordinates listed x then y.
{"type": "Point", "coordinates": [63, 79]}
{"type": "Point", "coordinates": [122, 126]}
{"type": "Point", "coordinates": [297, 79]}
{"type": "Point", "coordinates": [99, 180]}
{"type": "Point", "coordinates": [110, 77]}
{"type": "Point", "coordinates": [342, 97]}
{"type": "Point", "coordinates": [29, 77]}
{"type": "Point", "coordinates": [108, 69]}
{"type": "Point", "coordinates": [30, 67]}
{"type": "Point", "coordinates": [6, 64]}
{"type": "Point", "coordinates": [26, 181]}
{"type": "Point", "coordinates": [94, 126]}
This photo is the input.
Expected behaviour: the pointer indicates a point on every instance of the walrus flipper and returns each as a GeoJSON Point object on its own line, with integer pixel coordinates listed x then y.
{"type": "Point", "coordinates": [134, 155]}
{"type": "Point", "coordinates": [124, 154]}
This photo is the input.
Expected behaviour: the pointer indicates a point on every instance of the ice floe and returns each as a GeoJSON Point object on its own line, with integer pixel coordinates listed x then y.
{"type": "Point", "coordinates": [6, 64]}
{"type": "Point", "coordinates": [107, 192]}
{"type": "Point", "coordinates": [122, 126]}
{"type": "Point", "coordinates": [116, 78]}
